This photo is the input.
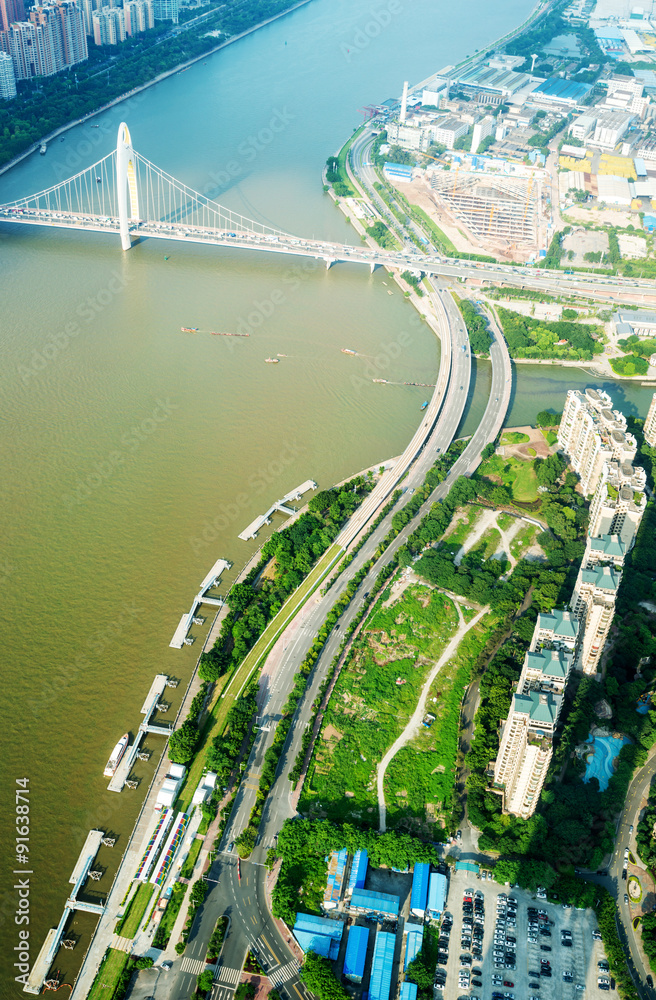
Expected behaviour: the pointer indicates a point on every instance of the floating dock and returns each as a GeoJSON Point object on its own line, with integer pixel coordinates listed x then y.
{"type": "Point", "coordinates": [180, 635]}
{"type": "Point", "coordinates": [87, 855]}
{"type": "Point", "coordinates": [280, 505]}
{"type": "Point", "coordinates": [157, 689]}
{"type": "Point", "coordinates": [44, 960]}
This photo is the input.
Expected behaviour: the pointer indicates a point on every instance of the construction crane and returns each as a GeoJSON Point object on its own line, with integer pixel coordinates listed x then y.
{"type": "Point", "coordinates": [528, 196]}
{"type": "Point", "coordinates": [369, 112]}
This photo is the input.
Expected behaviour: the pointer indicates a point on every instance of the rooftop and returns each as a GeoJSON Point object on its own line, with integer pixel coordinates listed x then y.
{"type": "Point", "coordinates": [540, 707]}
{"type": "Point", "coordinates": [601, 578]}
{"type": "Point", "coordinates": [550, 662]}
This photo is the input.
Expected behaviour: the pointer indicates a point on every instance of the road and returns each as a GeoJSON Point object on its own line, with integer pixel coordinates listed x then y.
{"type": "Point", "coordinates": [244, 900]}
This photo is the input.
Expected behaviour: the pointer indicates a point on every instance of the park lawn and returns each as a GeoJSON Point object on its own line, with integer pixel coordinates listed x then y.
{"type": "Point", "coordinates": [368, 709]}
{"type": "Point", "coordinates": [134, 914]}
{"type": "Point", "coordinates": [108, 975]}
{"type": "Point", "coordinates": [515, 474]}
{"type": "Point", "coordinates": [514, 437]}
{"type": "Point", "coordinates": [233, 686]}
{"type": "Point", "coordinates": [420, 780]}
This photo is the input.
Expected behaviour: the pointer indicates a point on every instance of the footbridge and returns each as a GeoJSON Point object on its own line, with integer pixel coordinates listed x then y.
{"type": "Point", "coordinates": [126, 194]}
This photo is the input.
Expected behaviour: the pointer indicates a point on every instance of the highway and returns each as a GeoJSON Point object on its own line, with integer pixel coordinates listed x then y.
{"type": "Point", "coordinates": [244, 900]}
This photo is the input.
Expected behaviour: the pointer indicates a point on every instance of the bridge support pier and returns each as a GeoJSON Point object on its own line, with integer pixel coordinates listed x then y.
{"type": "Point", "coordinates": [372, 267]}
{"type": "Point", "coordinates": [329, 262]}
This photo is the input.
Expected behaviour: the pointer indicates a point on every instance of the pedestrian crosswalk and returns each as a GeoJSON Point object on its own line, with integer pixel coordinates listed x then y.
{"type": "Point", "coordinates": [284, 973]}
{"type": "Point", "coordinates": [229, 975]}
{"type": "Point", "coordinates": [194, 965]}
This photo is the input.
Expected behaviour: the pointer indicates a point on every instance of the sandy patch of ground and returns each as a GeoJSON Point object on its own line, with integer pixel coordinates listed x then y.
{"type": "Point", "coordinates": [537, 442]}
{"type": "Point", "coordinates": [601, 216]}
{"type": "Point", "coordinates": [488, 519]}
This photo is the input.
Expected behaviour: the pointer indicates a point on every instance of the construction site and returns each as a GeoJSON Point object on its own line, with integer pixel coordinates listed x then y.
{"type": "Point", "coordinates": [498, 214]}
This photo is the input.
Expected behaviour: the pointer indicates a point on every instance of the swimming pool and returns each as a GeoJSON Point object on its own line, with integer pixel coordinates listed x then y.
{"type": "Point", "coordinates": [599, 763]}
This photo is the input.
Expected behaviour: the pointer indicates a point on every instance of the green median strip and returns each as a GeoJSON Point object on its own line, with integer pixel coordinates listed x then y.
{"type": "Point", "coordinates": [216, 720]}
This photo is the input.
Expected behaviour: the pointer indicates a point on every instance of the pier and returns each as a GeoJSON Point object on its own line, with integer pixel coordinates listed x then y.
{"type": "Point", "coordinates": [280, 505]}
{"type": "Point", "coordinates": [211, 580]}
{"type": "Point", "coordinates": [121, 773]}
{"type": "Point", "coordinates": [50, 946]}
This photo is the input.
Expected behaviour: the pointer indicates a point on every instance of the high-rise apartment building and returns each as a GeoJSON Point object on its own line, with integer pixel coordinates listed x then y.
{"type": "Point", "coordinates": [650, 423]}
{"type": "Point", "coordinates": [591, 433]}
{"type": "Point", "coordinates": [108, 26]}
{"type": "Point", "coordinates": [593, 600]}
{"type": "Point", "coordinates": [526, 738]}
{"type": "Point", "coordinates": [619, 502]}
{"type": "Point", "coordinates": [139, 16]}
{"type": "Point", "coordinates": [51, 40]}
{"type": "Point", "coordinates": [7, 77]}
{"type": "Point", "coordinates": [166, 10]}
{"type": "Point", "coordinates": [10, 11]}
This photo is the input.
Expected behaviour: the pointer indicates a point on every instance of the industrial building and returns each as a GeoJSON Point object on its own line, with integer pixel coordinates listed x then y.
{"type": "Point", "coordinates": [397, 172]}
{"type": "Point", "coordinates": [358, 871]}
{"type": "Point", "coordinates": [437, 890]}
{"type": "Point", "coordinates": [414, 939]}
{"type": "Point", "coordinates": [319, 934]}
{"type": "Point", "coordinates": [499, 211]}
{"type": "Point", "coordinates": [419, 894]}
{"type": "Point", "coordinates": [408, 991]}
{"type": "Point", "coordinates": [356, 953]}
{"type": "Point", "coordinates": [630, 322]}
{"type": "Point", "coordinates": [380, 903]}
{"type": "Point", "coordinates": [558, 90]}
{"type": "Point", "coordinates": [591, 434]}
{"type": "Point", "coordinates": [381, 966]}
{"type": "Point", "coordinates": [335, 880]}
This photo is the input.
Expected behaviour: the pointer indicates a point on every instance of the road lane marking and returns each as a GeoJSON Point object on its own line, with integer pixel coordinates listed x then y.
{"type": "Point", "coordinates": [270, 949]}
{"type": "Point", "coordinates": [296, 990]}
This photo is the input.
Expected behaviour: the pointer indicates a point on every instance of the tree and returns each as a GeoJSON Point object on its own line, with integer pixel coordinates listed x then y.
{"type": "Point", "coordinates": [183, 743]}
{"type": "Point", "coordinates": [240, 596]}
{"type": "Point", "coordinates": [205, 981]}
{"type": "Point", "coordinates": [318, 976]}
{"type": "Point", "coordinates": [198, 892]}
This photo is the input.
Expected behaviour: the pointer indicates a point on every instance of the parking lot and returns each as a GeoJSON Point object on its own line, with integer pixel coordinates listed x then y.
{"type": "Point", "coordinates": [497, 923]}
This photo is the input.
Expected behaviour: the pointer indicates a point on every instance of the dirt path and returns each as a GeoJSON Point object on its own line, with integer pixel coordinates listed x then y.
{"type": "Point", "coordinates": [506, 537]}
{"type": "Point", "coordinates": [415, 721]}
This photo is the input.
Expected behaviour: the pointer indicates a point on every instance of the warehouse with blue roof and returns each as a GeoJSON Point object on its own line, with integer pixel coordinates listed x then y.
{"type": "Point", "coordinates": [419, 893]}
{"type": "Point", "coordinates": [318, 934]}
{"type": "Point", "coordinates": [414, 941]}
{"type": "Point", "coordinates": [436, 895]}
{"type": "Point", "coordinates": [358, 871]}
{"type": "Point", "coordinates": [408, 991]}
{"type": "Point", "coordinates": [381, 966]}
{"type": "Point", "coordinates": [368, 901]}
{"type": "Point", "coordinates": [356, 953]}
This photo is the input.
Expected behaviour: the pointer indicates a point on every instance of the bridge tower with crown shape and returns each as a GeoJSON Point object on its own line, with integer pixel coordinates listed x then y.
{"type": "Point", "coordinates": [126, 184]}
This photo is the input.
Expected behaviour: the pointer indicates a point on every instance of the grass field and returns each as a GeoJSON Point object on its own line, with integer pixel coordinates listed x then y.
{"type": "Point", "coordinates": [232, 686]}
{"type": "Point", "coordinates": [505, 521]}
{"type": "Point", "coordinates": [109, 974]}
{"type": "Point", "coordinates": [517, 475]}
{"type": "Point", "coordinates": [523, 540]}
{"type": "Point", "coordinates": [369, 707]}
{"type": "Point", "coordinates": [514, 437]}
{"type": "Point", "coordinates": [134, 914]}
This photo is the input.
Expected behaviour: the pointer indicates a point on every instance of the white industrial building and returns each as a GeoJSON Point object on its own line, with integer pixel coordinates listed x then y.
{"type": "Point", "coordinates": [614, 190]}
{"type": "Point", "coordinates": [610, 127]}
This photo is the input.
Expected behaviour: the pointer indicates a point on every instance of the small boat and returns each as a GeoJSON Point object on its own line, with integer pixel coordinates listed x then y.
{"type": "Point", "coordinates": [165, 258]}
{"type": "Point", "coordinates": [272, 361]}
{"type": "Point", "coordinates": [95, 126]}
{"type": "Point", "coordinates": [424, 405]}
{"type": "Point", "coordinates": [283, 355]}
{"type": "Point", "coordinates": [98, 180]}
{"type": "Point", "coordinates": [381, 381]}
{"type": "Point", "coordinates": [43, 149]}
{"type": "Point", "coordinates": [117, 754]}
{"type": "Point", "coordinates": [189, 329]}
{"type": "Point", "coordinates": [347, 350]}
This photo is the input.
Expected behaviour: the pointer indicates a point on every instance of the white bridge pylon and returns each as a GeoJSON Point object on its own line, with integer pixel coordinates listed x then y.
{"type": "Point", "coordinates": [126, 193]}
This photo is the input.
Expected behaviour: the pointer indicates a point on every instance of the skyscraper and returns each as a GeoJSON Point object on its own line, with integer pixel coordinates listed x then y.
{"type": "Point", "coordinates": [591, 433]}
{"type": "Point", "coordinates": [166, 10]}
{"type": "Point", "coordinates": [7, 77]}
{"type": "Point", "coordinates": [650, 422]}
{"type": "Point", "coordinates": [51, 40]}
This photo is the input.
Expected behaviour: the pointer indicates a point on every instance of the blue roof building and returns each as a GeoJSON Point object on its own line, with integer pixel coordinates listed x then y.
{"type": "Point", "coordinates": [398, 171]}
{"type": "Point", "coordinates": [318, 934]}
{"type": "Point", "coordinates": [381, 966]}
{"type": "Point", "coordinates": [375, 902]}
{"type": "Point", "coordinates": [358, 871]}
{"type": "Point", "coordinates": [562, 91]}
{"type": "Point", "coordinates": [419, 893]}
{"type": "Point", "coordinates": [413, 943]}
{"type": "Point", "coordinates": [408, 991]}
{"type": "Point", "coordinates": [356, 953]}
{"type": "Point", "coordinates": [436, 895]}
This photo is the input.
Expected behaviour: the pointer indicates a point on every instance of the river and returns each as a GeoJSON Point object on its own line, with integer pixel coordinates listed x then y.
{"type": "Point", "coordinates": [133, 454]}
